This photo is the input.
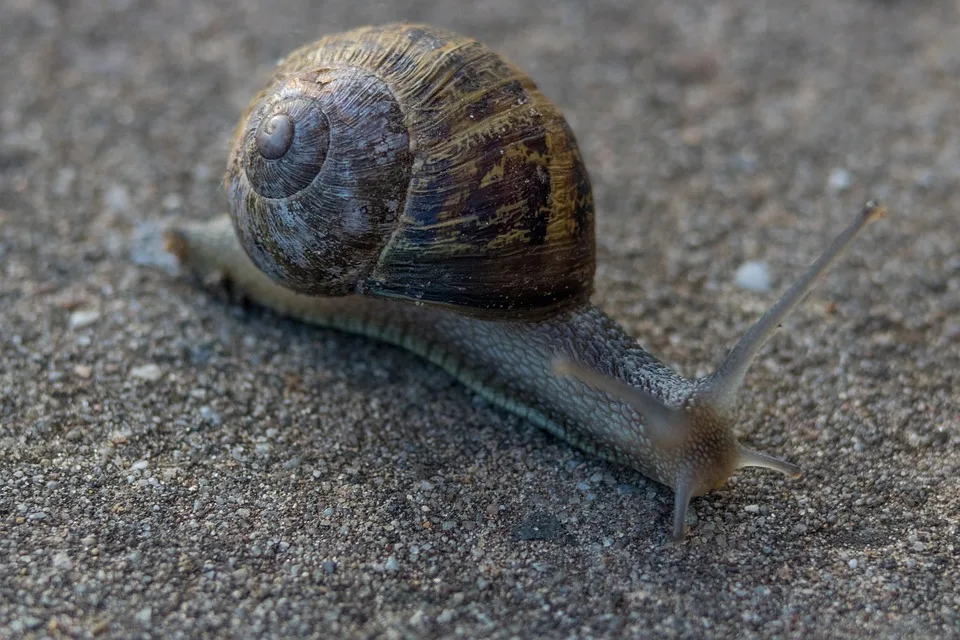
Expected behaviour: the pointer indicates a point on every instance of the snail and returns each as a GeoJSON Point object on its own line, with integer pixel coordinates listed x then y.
{"type": "Point", "coordinates": [406, 183]}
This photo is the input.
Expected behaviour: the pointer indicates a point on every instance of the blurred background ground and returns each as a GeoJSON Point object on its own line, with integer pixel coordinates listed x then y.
{"type": "Point", "coordinates": [176, 466]}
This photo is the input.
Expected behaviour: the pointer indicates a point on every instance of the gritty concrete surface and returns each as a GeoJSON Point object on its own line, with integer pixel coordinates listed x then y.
{"type": "Point", "coordinates": [177, 466]}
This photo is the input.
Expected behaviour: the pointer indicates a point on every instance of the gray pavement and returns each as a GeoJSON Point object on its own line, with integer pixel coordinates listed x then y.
{"type": "Point", "coordinates": [177, 466]}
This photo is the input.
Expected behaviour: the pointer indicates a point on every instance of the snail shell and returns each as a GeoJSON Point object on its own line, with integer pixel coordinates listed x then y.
{"type": "Point", "coordinates": [411, 162]}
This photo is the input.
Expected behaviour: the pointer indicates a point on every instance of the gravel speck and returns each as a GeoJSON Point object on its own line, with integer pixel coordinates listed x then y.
{"type": "Point", "coordinates": [84, 318]}
{"type": "Point", "coordinates": [839, 180]}
{"type": "Point", "coordinates": [83, 371]}
{"type": "Point", "coordinates": [62, 561]}
{"type": "Point", "coordinates": [446, 616]}
{"type": "Point", "coordinates": [117, 198]}
{"type": "Point", "coordinates": [289, 464]}
{"type": "Point", "coordinates": [626, 489]}
{"type": "Point", "coordinates": [753, 276]}
{"type": "Point", "coordinates": [149, 372]}
{"type": "Point", "coordinates": [209, 416]}
{"type": "Point", "coordinates": [144, 616]}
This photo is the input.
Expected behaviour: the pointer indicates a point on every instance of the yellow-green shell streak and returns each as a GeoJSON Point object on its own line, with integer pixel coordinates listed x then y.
{"type": "Point", "coordinates": [420, 165]}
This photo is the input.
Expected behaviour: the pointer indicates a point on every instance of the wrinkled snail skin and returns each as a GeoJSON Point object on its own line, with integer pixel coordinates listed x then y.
{"type": "Point", "coordinates": [406, 184]}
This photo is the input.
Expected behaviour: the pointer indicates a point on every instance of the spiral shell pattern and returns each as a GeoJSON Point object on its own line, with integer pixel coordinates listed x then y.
{"type": "Point", "coordinates": [410, 162]}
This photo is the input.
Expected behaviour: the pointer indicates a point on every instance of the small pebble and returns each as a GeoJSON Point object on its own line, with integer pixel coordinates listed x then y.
{"type": "Point", "coordinates": [144, 616]}
{"type": "Point", "coordinates": [172, 202]}
{"type": "Point", "coordinates": [417, 618]}
{"type": "Point", "coordinates": [62, 561]}
{"type": "Point", "coordinates": [445, 616]}
{"type": "Point", "coordinates": [392, 566]}
{"type": "Point", "coordinates": [150, 372]}
{"type": "Point", "coordinates": [839, 180]}
{"type": "Point", "coordinates": [626, 489]}
{"type": "Point", "coordinates": [209, 416]}
{"type": "Point", "coordinates": [753, 276]}
{"type": "Point", "coordinates": [64, 180]}
{"type": "Point", "coordinates": [84, 318]}
{"type": "Point", "coordinates": [117, 198]}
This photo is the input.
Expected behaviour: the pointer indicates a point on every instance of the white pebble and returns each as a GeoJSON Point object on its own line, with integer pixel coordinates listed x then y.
{"type": "Point", "coordinates": [172, 202]}
{"type": "Point", "coordinates": [445, 616]}
{"type": "Point", "coordinates": [144, 616]}
{"type": "Point", "coordinates": [62, 561]}
{"type": "Point", "coordinates": [417, 618]}
{"type": "Point", "coordinates": [117, 198]}
{"type": "Point", "coordinates": [81, 319]}
{"type": "Point", "coordinates": [149, 372]}
{"type": "Point", "coordinates": [754, 276]}
{"type": "Point", "coordinates": [64, 180]}
{"type": "Point", "coordinates": [839, 180]}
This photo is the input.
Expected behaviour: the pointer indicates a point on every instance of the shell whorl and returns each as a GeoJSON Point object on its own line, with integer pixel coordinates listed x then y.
{"type": "Point", "coordinates": [410, 162]}
{"type": "Point", "coordinates": [308, 206]}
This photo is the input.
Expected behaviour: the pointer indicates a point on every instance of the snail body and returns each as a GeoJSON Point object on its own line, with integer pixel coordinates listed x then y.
{"type": "Point", "coordinates": [405, 183]}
